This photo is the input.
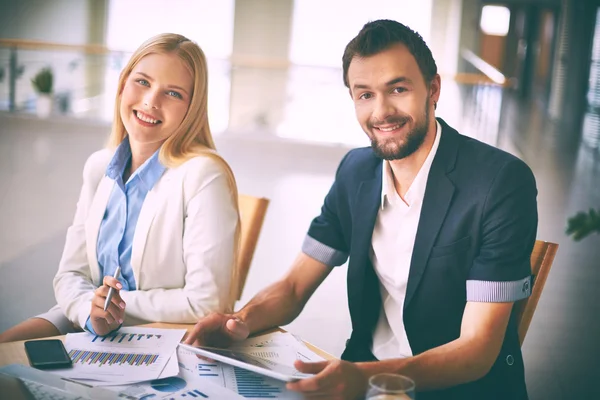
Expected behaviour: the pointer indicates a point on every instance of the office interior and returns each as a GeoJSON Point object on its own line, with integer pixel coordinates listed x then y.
{"type": "Point", "coordinates": [522, 75]}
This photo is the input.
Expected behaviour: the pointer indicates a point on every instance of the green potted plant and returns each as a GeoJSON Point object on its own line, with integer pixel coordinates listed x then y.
{"type": "Point", "coordinates": [43, 83]}
{"type": "Point", "coordinates": [583, 224]}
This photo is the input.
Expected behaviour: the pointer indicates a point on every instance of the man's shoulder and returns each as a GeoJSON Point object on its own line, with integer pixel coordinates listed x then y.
{"type": "Point", "coordinates": [486, 158]}
{"type": "Point", "coordinates": [474, 155]}
{"type": "Point", "coordinates": [479, 167]}
{"type": "Point", "coordinates": [359, 163]}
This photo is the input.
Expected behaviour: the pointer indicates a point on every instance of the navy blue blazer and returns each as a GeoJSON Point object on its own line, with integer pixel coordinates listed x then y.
{"type": "Point", "coordinates": [474, 240]}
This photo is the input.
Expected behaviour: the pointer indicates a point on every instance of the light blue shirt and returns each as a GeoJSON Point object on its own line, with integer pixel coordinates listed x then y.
{"type": "Point", "coordinates": [115, 238]}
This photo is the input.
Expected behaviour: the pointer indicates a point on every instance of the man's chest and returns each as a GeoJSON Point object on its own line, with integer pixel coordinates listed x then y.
{"type": "Point", "coordinates": [392, 243]}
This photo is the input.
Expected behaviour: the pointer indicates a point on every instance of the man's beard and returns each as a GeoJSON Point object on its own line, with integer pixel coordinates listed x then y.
{"type": "Point", "coordinates": [398, 148]}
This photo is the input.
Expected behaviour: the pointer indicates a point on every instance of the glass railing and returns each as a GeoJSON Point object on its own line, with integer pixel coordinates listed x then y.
{"type": "Point", "coordinates": [483, 92]}
{"type": "Point", "coordinates": [259, 98]}
{"type": "Point", "coordinates": [85, 80]}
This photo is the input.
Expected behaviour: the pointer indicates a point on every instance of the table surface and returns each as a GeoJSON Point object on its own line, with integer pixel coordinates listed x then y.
{"type": "Point", "coordinates": [14, 352]}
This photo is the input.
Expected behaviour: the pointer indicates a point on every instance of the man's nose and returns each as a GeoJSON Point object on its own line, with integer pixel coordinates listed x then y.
{"type": "Point", "coordinates": [383, 109]}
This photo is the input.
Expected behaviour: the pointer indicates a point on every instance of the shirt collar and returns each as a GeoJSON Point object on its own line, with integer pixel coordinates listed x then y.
{"type": "Point", "coordinates": [117, 165]}
{"type": "Point", "coordinates": [417, 188]}
{"type": "Point", "coordinates": [148, 173]}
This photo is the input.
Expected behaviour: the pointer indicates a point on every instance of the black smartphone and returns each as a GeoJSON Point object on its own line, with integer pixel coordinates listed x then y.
{"type": "Point", "coordinates": [47, 354]}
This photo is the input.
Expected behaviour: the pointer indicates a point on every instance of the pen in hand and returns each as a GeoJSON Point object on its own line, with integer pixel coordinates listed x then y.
{"type": "Point", "coordinates": [111, 290]}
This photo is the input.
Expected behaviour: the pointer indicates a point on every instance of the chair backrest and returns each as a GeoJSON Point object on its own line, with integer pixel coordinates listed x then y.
{"type": "Point", "coordinates": [252, 215]}
{"type": "Point", "coordinates": [542, 257]}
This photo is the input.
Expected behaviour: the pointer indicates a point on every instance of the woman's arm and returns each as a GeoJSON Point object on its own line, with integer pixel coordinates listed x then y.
{"type": "Point", "coordinates": [210, 224]}
{"type": "Point", "coordinates": [73, 286]}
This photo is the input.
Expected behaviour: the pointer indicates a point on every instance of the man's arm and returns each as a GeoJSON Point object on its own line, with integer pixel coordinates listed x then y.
{"type": "Point", "coordinates": [324, 248]}
{"type": "Point", "coordinates": [465, 359]}
{"type": "Point", "coordinates": [278, 304]}
{"type": "Point", "coordinates": [281, 302]}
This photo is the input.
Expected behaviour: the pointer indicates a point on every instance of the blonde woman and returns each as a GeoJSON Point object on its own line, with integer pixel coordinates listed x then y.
{"type": "Point", "coordinates": [159, 203]}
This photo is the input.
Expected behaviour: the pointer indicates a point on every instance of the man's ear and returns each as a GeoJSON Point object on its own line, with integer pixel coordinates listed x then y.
{"type": "Point", "coordinates": [435, 87]}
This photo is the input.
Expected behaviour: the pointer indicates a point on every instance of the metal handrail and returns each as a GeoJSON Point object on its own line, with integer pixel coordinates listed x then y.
{"type": "Point", "coordinates": [21, 44]}
{"type": "Point", "coordinates": [491, 72]}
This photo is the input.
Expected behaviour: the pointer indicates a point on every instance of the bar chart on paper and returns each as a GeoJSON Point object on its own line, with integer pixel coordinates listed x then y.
{"type": "Point", "coordinates": [255, 386]}
{"type": "Point", "coordinates": [101, 358]}
{"type": "Point", "coordinates": [146, 338]}
{"type": "Point", "coordinates": [129, 355]}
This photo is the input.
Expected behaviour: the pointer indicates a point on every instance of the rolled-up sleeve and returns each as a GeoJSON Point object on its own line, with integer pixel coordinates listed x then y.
{"type": "Point", "coordinates": [323, 253]}
{"type": "Point", "coordinates": [501, 271]}
{"type": "Point", "coordinates": [326, 239]}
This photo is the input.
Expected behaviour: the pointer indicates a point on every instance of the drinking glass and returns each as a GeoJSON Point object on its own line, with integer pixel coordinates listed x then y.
{"type": "Point", "coordinates": [390, 387]}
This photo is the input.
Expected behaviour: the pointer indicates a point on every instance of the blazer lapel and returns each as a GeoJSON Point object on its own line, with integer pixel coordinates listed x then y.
{"type": "Point", "coordinates": [151, 204]}
{"type": "Point", "coordinates": [438, 196]}
{"type": "Point", "coordinates": [361, 277]}
{"type": "Point", "coordinates": [92, 224]}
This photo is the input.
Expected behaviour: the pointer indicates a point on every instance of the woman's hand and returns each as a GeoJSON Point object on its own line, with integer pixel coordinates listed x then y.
{"type": "Point", "coordinates": [102, 321]}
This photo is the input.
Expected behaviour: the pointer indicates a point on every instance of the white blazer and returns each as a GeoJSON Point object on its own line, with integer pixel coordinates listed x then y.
{"type": "Point", "coordinates": [182, 252]}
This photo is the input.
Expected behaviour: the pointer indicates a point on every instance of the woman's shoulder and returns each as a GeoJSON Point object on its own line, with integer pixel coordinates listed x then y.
{"type": "Point", "coordinates": [202, 166]}
{"type": "Point", "coordinates": [199, 171]}
{"type": "Point", "coordinates": [96, 164]}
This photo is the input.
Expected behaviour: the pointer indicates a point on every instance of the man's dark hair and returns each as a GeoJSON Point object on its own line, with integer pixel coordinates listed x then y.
{"type": "Point", "coordinates": [380, 35]}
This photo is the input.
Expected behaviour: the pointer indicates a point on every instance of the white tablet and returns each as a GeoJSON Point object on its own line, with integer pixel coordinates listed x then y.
{"type": "Point", "coordinates": [261, 366]}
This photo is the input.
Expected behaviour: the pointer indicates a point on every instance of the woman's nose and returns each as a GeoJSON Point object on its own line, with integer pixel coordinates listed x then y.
{"type": "Point", "coordinates": [151, 99]}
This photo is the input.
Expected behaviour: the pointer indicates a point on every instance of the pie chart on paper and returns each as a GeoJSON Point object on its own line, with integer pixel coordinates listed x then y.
{"type": "Point", "coordinates": [170, 385]}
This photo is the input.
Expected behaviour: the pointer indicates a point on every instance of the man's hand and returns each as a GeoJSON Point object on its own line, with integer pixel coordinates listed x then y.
{"type": "Point", "coordinates": [102, 321]}
{"type": "Point", "coordinates": [334, 379]}
{"type": "Point", "coordinates": [217, 330]}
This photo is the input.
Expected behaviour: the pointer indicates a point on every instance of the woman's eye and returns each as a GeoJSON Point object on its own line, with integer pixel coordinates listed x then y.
{"type": "Point", "coordinates": [143, 82]}
{"type": "Point", "coordinates": [174, 94]}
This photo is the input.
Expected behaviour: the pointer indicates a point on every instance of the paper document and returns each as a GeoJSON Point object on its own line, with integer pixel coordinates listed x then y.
{"type": "Point", "coordinates": [280, 347]}
{"type": "Point", "coordinates": [239, 381]}
{"type": "Point", "coordinates": [45, 385]}
{"type": "Point", "coordinates": [132, 354]}
{"type": "Point", "coordinates": [177, 387]}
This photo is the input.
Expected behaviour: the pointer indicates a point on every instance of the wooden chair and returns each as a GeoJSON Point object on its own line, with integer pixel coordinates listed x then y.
{"type": "Point", "coordinates": [252, 215]}
{"type": "Point", "coordinates": [542, 257]}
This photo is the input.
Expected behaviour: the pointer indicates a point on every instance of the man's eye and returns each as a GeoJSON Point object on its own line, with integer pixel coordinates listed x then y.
{"type": "Point", "coordinates": [399, 89]}
{"type": "Point", "coordinates": [365, 96]}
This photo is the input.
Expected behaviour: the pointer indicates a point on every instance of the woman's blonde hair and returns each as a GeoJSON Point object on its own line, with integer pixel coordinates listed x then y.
{"type": "Point", "coordinates": [193, 137]}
